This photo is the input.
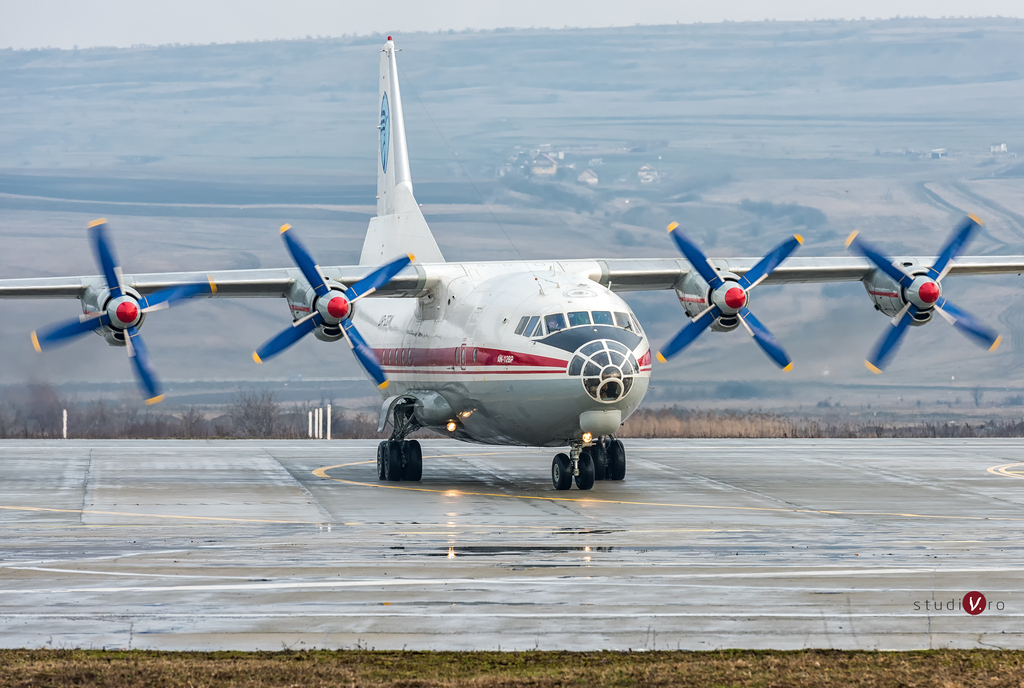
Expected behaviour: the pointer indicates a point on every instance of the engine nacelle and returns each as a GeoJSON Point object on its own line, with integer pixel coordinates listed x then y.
{"type": "Point", "coordinates": [302, 301]}
{"type": "Point", "coordinates": [889, 298]}
{"type": "Point", "coordinates": [695, 296]}
{"type": "Point", "coordinates": [96, 299]}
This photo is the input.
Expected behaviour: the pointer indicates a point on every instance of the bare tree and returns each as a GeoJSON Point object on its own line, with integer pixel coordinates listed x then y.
{"type": "Point", "coordinates": [193, 423]}
{"type": "Point", "coordinates": [976, 394]}
{"type": "Point", "coordinates": [255, 414]}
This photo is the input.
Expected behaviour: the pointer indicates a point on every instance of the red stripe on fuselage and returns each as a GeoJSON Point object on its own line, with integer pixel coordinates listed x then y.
{"type": "Point", "coordinates": [451, 356]}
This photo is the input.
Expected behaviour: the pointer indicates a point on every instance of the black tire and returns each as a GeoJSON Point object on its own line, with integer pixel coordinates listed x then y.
{"type": "Point", "coordinates": [561, 472]}
{"type": "Point", "coordinates": [413, 460]}
{"type": "Point", "coordinates": [600, 455]}
{"type": "Point", "coordinates": [381, 451]}
{"type": "Point", "coordinates": [393, 461]}
{"type": "Point", "coordinates": [616, 460]}
{"type": "Point", "coordinates": [585, 480]}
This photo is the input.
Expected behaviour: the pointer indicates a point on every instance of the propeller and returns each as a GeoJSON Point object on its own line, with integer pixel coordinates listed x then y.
{"type": "Point", "coordinates": [922, 293]}
{"type": "Point", "coordinates": [122, 313]}
{"type": "Point", "coordinates": [729, 297]}
{"type": "Point", "coordinates": [332, 306]}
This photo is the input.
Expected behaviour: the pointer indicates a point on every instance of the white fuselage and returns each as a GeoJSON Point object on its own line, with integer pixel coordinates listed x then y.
{"type": "Point", "coordinates": [460, 343]}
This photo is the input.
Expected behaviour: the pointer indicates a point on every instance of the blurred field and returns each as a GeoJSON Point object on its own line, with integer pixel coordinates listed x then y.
{"type": "Point", "coordinates": [947, 668]}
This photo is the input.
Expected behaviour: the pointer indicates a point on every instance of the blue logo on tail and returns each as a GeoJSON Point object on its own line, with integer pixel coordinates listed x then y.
{"type": "Point", "coordinates": [385, 131]}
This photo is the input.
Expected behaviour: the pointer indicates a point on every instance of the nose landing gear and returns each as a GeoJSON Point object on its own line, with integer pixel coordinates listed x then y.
{"type": "Point", "coordinates": [605, 459]}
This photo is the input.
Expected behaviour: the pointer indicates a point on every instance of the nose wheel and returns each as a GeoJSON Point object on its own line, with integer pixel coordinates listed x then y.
{"type": "Point", "coordinates": [603, 460]}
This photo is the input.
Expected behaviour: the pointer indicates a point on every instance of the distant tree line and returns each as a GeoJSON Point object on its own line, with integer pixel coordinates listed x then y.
{"type": "Point", "coordinates": [680, 422]}
{"type": "Point", "coordinates": [35, 412]}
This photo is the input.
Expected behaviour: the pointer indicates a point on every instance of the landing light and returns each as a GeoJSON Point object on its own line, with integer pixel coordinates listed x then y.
{"type": "Point", "coordinates": [451, 426]}
{"type": "Point", "coordinates": [587, 437]}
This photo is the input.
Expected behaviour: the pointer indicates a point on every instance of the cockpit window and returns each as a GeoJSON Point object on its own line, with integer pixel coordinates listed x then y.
{"type": "Point", "coordinates": [554, 322]}
{"type": "Point", "coordinates": [579, 318]}
{"type": "Point", "coordinates": [535, 326]}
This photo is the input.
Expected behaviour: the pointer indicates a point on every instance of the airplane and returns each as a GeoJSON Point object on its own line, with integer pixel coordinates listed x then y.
{"type": "Point", "coordinates": [516, 352]}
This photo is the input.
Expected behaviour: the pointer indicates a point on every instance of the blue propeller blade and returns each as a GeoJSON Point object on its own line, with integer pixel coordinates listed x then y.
{"type": "Point", "coordinates": [689, 332]}
{"type": "Point", "coordinates": [966, 323]}
{"type": "Point", "coordinates": [766, 340]}
{"type": "Point", "coordinates": [310, 270]}
{"type": "Point", "coordinates": [139, 356]}
{"type": "Point", "coordinates": [378, 278]}
{"type": "Point", "coordinates": [955, 244]}
{"type": "Point", "coordinates": [66, 331]}
{"type": "Point", "coordinates": [166, 297]}
{"type": "Point", "coordinates": [365, 354]}
{"type": "Point", "coordinates": [105, 256]}
{"type": "Point", "coordinates": [287, 337]}
{"type": "Point", "coordinates": [890, 342]}
{"type": "Point", "coordinates": [697, 259]}
{"type": "Point", "coordinates": [879, 259]}
{"type": "Point", "coordinates": [771, 261]}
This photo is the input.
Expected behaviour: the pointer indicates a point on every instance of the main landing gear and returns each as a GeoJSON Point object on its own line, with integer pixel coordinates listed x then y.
{"type": "Point", "coordinates": [399, 458]}
{"type": "Point", "coordinates": [605, 459]}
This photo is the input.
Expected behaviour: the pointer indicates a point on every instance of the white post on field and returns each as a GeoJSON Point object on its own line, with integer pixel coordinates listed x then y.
{"type": "Point", "coordinates": [65, 431]}
{"type": "Point", "coordinates": [328, 421]}
{"type": "Point", "coordinates": [319, 423]}
{"type": "Point", "coordinates": [310, 425]}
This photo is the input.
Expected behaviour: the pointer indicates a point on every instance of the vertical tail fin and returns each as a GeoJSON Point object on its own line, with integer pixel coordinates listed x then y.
{"type": "Point", "coordinates": [399, 226]}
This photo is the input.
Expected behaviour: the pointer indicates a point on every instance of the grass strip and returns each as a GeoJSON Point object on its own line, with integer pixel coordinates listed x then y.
{"type": "Point", "coordinates": [141, 668]}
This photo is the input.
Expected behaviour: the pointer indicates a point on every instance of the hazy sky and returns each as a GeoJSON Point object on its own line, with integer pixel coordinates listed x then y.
{"type": "Point", "coordinates": [85, 23]}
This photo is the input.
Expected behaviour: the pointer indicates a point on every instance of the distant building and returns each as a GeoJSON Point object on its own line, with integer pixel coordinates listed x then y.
{"type": "Point", "coordinates": [595, 162]}
{"type": "Point", "coordinates": [997, 148]}
{"type": "Point", "coordinates": [587, 177]}
{"type": "Point", "coordinates": [544, 165]}
{"type": "Point", "coordinates": [938, 153]}
{"type": "Point", "coordinates": [648, 175]}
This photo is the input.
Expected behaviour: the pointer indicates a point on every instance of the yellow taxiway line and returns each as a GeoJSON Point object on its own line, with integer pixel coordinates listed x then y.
{"type": "Point", "coordinates": [1005, 471]}
{"type": "Point", "coordinates": [322, 473]}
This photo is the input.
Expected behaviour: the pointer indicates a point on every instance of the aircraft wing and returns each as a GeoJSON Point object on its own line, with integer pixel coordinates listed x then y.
{"type": "Point", "coordinates": [258, 283]}
{"type": "Point", "coordinates": [651, 274]}
{"type": "Point", "coordinates": [619, 274]}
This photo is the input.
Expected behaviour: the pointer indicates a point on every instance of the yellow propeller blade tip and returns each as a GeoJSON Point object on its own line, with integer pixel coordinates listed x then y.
{"type": "Point", "coordinates": [873, 369]}
{"type": "Point", "coordinates": [154, 400]}
{"type": "Point", "coordinates": [799, 238]}
{"type": "Point", "coordinates": [788, 368]}
{"type": "Point", "coordinates": [412, 258]}
{"type": "Point", "coordinates": [995, 344]}
{"type": "Point", "coordinates": [256, 357]}
{"type": "Point", "coordinates": [285, 228]}
{"type": "Point", "coordinates": [853, 235]}
{"type": "Point", "coordinates": [673, 226]}
{"type": "Point", "coordinates": [976, 219]}
{"type": "Point", "coordinates": [213, 285]}
{"type": "Point", "coordinates": [661, 358]}
{"type": "Point", "coordinates": [100, 221]}
{"type": "Point", "coordinates": [384, 385]}
{"type": "Point", "coordinates": [35, 343]}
